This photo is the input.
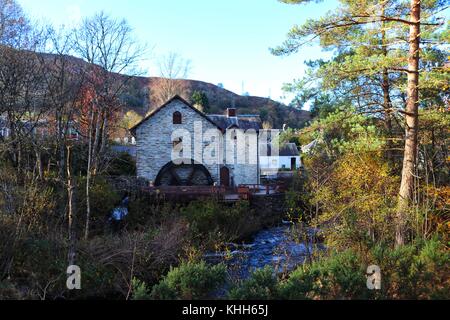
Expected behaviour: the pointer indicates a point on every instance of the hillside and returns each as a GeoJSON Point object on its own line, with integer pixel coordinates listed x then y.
{"type": "Point", "coordinates": [138, 96]}
{"type": "Point", "coordinates": [139, 99]}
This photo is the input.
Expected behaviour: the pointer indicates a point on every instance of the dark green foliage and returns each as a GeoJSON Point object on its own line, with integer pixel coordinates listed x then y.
{"type": "Point", "coordinates": [415, 271]}
{"type": "Point", "coordinates": [139, 212]}
{"type": "Point", "coordinates": [9, 291]}
{"type": "Point", "coordinates": [218, 222]}
{"type": "Point", "coordinates": [323, 105]}
{"type": "Point", "coordinates": [122, 165]}
{"type": "Point", "coordinates": [262, 285]}
{"type": "Point", "coordinates": [42, 262]}
{"type": "Point", "coordinates": [340, 276]}
{"type": "Point", "coordinates": [190, 281]}
{"type": "Point", "coordinates": [103, 200]}
{"type": "Point", "coordinates": [140, 290]}
{"type": "Point", "coordinates": [200, 98]}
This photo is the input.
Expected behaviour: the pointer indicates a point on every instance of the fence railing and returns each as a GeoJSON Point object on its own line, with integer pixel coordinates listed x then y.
{"type": "Point", "coordinates": [242, 191]}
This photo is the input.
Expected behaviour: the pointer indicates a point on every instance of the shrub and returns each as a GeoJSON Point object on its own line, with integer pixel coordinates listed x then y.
{"type": "Point", "coordinates": [190, 281]}
{"type": "Point", "coordinates": [103, 200]}
{"type": "Point", "coordinates": [416, 271]}
{"type": "Point", "coordinates": [202, 216]}
{"type": "Point", "coordinates": [220, 223]}
{"type": "Point", "coordinates": [168, 243]}
{"type": "Point", "coordinates": [139, 290]}
{"type": "Point", "coordinates": [357, 202]}
{"type": "Point", "coordinates": [262, 285]}
{"type": "Point", "coordinates": [339, 276]}
{"type": "Point", "coordinates": [37, 267]}
{"type": "Point", "coordinates": [9, 291]}
{"type": "Point", "coordinates": [122, 165]}
{"type": "Point", "coordinates": [143, 211]}
{"type": "Point", "coordinates": [31, 202]}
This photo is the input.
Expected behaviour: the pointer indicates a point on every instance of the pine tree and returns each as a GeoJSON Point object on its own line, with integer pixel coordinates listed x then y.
{"type": "Point", "coordinates": [377, 42]}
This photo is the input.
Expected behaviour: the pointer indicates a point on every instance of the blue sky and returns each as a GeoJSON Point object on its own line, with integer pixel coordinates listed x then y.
{"type": "Point", "coordinates": [227, 41]}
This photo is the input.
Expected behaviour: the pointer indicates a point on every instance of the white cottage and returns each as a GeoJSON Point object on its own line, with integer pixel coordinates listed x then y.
{"type": "Point", "coordinates": [286, 158]}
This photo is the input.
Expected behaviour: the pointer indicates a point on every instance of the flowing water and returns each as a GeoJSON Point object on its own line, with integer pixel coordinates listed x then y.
{"type": "Point", "coordinates": [283, 248]}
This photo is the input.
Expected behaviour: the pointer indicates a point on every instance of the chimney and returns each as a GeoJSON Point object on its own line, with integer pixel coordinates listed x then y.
{"type": "Point", "coordinates": [231, 112]}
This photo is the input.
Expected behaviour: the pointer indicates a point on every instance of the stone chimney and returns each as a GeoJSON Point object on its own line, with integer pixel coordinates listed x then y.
{"type": "Point", "coordinates": [231, 112]}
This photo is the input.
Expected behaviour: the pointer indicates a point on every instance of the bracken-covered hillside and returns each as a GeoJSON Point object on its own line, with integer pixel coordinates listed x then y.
{"type": "Point", "coordinates": [139, 97]}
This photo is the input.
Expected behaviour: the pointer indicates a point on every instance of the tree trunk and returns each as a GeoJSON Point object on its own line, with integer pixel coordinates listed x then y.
{"type": "Point", "coordinates": [61, 147]}
{"type": "Point", "coordinates": [387, 106]}
{"type": "Point", "coordinates": [104, 135]}
{"type": "Point", "coordinates": [411, 119]}
{"type": "Point", "coordinates": [95, 147]}
{"type": "Point", "coordinates": [70, 196]}
{"type": "Point", "coordinates": [88, 175]}
{"type": "Point", "coordinates": [40, 170]}
{"type": "Point", "coordinates": [385, 84]}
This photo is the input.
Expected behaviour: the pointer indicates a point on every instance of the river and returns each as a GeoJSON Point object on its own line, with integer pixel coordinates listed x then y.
{"type": "Point", "coordinates": [282, 247]}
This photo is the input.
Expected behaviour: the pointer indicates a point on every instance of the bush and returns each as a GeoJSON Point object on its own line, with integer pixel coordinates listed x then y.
{"type": "Point", "coordinates": [122, 165]}
{"type": "Point", "coordinates": [9, 291]}
{"type": "Point", "coordinates": [103, 200]}
{"type": "Point", "coordinates": [143, 211]}
{"type": "Point", "coordinates": [33, 203]}
{"type": "Point", "coordinates": [262, 285]}
{"type": "Point", "coordinates": [139, 290]}
{"type": "Point", "coordinates": [416, 271]}
{"type": "Point", "coordinates": [36, 268]}
{"type": "Point", "coordinates": [190, 281]}
{"type": "Point", "coordinates": [339, 276]}
{"type": "Point", "coordinates": [202, 216]}
{"type": "Point", "coordinates": [220, 223]}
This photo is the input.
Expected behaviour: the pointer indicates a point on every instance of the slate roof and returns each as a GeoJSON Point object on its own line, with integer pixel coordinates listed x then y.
{"type": "Point", "coordinates": [243, 122]}
{"type": "Point", "coordinates": [286, 150]}
{"type": "Point", "coordinates": [176, 97]}
{"type": "Point", "coordinates": [223, 122]}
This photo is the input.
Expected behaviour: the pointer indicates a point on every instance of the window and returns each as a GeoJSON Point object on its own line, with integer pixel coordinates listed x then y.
{"type": "Point", "coordinates": [176, 117]}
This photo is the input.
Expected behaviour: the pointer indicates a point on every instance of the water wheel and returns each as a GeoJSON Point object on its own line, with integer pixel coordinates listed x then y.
{"type": "Point", "coordinates": [183, 175]}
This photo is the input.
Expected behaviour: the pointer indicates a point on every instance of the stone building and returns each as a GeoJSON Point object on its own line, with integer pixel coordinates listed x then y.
{"type": "Point", "coordinates": [176, 144]}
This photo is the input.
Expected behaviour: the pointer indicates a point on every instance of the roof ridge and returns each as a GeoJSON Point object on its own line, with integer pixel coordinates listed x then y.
{"type": "Point", "coordinates": [175, 97]}
{"type": "Point", "coordinates": [238, 116]}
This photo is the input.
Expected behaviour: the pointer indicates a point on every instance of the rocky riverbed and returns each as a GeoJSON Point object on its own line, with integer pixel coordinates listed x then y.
{"type": "Point", "coordinates": [283, 247]}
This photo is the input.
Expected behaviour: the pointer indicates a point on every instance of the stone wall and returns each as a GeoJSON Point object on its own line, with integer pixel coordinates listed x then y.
{"type": "Point", "coordinates": [155, 143]}
{"type": "Point", "coordinates": [247, 171]}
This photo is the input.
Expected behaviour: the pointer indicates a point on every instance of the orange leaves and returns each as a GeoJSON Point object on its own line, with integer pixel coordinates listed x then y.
{"type": "Point", "coordinates": [95, 103]}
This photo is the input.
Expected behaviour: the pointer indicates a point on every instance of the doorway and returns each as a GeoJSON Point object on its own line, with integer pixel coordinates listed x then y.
{"type": "Point", "coordinates": [293, 164]}
{"type": "Point", "coordinates": [224, 177]}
